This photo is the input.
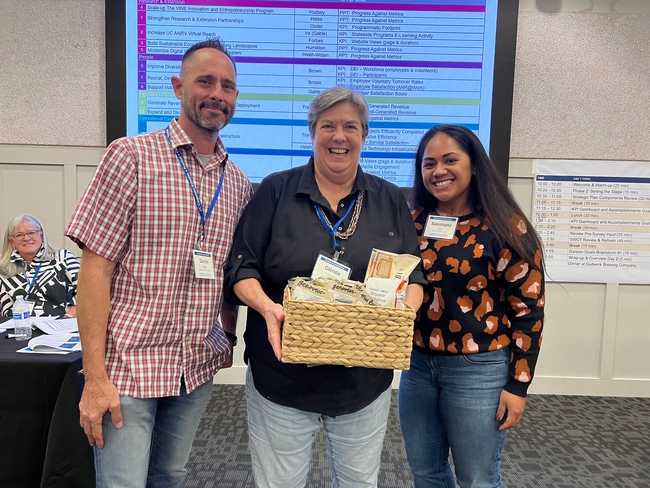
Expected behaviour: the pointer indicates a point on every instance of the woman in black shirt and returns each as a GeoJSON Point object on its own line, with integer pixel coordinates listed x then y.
{"type": "Point", "coordinates": [330, 204]}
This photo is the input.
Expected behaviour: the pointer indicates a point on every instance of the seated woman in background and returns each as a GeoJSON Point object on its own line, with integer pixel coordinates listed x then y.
{"type": "Point", "coordinates": [31, 267]}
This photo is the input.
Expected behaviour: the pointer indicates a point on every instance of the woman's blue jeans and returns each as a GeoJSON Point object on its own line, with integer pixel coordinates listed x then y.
{"type": "Point", "coordinates": [450, 402]}
{"type": "Point", "coordinates": [281, 439]}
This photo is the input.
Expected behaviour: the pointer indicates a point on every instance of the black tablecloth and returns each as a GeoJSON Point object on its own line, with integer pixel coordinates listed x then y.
{"type": "Point", "coordinates": [41, 442]}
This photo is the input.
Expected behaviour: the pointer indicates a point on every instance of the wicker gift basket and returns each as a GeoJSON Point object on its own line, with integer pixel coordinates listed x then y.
{"type": "Point", "coordinates": [348, 335]}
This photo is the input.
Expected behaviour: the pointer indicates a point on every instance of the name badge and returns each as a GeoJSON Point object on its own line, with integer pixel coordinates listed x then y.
{"type": "Point", "coordinates": [440, 227]}
{"type": "Point", "coordinates": [327, 267]}
{"type": "Point", "coordinates": [31, 306]}
{"type": "Point", "coordinates": [203, 267]}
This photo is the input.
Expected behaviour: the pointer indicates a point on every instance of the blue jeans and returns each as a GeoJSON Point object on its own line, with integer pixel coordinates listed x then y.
{"type": "Point", "coordinates": [450, 402]}
{"type": "Point", "coordinates": [281, 439]}
{"type": "Point", "coordinates": [152, 447]}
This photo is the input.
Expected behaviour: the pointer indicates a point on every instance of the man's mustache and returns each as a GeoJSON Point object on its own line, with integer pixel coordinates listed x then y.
{"type": "Point", "coordinates": [219, 106]}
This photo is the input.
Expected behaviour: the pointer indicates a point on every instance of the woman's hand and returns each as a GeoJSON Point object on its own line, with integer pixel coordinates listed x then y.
{"type": "Point", "coordinates": [512, 407]}
{"type": "Point", "coordinates": [71, 313]}
{"type": "Point", "coordinates": [414, 296]}
{"type": "Point", "coordinates": [250, 291]}
{"type": "Point", "coordinates": [274, 317]}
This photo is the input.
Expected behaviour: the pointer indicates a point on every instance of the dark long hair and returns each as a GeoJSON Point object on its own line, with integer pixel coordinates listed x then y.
{"type": "Point", "coordinates": [489, 197]}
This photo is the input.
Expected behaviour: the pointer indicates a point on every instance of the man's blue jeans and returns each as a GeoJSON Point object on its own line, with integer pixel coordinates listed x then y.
{"type": "Point", "coordinates": [152, 447]}
{"type": "Point", "coordinates": [450, 402]}
{"type": "Point", "coordinates": [281, 438]}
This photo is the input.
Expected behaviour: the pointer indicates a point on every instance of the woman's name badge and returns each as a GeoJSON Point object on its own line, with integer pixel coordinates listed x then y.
{"type": "Point", "coordinates": [31, 306]}
{"type": "Point", "coordinates": [327, 267]}
{"type": "Point", "coordinates": [440, 227]}
{"type": "Point", "coordinates": [203, 267]}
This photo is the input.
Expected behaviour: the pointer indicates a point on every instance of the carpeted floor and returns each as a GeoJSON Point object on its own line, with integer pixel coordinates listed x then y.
{"type": "Point", "coordinates": [562, 442]}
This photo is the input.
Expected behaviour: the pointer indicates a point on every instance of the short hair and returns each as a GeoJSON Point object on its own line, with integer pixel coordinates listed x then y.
{"type": "Point", "coordinates": [212, 43]}
{"type": "Point", "coordinates": [331, 97]}
{"type": "Point", "coordinates": [9, 269]}
{"type": "Point", "coordinates": [489, 196]}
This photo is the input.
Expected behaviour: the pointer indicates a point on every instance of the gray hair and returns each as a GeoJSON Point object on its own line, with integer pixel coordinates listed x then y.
{"type": "Point", "coordinates": [331, 97]}
{"type": "Point", "coordinates": [9, 269]}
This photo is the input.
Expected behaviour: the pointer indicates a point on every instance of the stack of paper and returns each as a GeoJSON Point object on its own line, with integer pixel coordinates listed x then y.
{"type": "Point", "coordinates": [50, 325]}
{"type": "Point", "coordinates": [59, 343]}
{"type": "Point", "coordinates": [61, 336]}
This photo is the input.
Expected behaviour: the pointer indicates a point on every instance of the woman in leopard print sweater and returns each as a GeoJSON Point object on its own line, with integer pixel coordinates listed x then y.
{"type": "Point", "coordinates": [478, 332]}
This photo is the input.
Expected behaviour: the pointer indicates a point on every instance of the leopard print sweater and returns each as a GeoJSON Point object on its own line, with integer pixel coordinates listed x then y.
{"type": "Point", "coordinates": [481, 297]}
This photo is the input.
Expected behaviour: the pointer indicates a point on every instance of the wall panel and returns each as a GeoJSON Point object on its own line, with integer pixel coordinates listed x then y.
{"type": "Point", "coordinates": [632, 344]}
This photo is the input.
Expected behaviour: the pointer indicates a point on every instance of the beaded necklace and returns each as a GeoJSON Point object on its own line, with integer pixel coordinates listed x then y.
{"type": "Point", "coordinates": [353, 222]}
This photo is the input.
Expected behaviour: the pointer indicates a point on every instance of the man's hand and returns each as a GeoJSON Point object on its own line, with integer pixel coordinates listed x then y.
{"type": "Point", "coordinates": [512, 406]}
{"type": "Point", "coordinates": [93, 306]}
{"type": "Point", "coordinates": [274, 317]}
{"type": "Point", "coordinates": [98, 397]}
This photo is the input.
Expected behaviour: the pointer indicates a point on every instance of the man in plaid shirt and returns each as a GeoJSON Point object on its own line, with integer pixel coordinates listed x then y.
{"type": "Point", "coordinates": [156, 224]}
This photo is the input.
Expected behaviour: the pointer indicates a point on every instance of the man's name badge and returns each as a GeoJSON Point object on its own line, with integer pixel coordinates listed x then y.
{"type": "Point", "coordinates": [327, 267]}
{"type": "Point", "coordinates": [440, 227]}
{"type": "Point", "coordinates": [203, 267]}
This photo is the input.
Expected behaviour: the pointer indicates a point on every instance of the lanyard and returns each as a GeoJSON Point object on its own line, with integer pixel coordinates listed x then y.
{"type": "Point", "coordinates": [331, 229]}
{"type": "Point", "coordinates": [30, 284]}
{"type": "Point", "coordinates": [197, 199]}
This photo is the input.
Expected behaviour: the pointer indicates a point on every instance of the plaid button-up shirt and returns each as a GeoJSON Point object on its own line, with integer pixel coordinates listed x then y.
{"type": "Point", "coordinates": [139, 212]}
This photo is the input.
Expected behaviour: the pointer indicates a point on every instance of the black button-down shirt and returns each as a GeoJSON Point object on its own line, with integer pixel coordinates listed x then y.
{"type": "Point", "coordinates": [279, 236]}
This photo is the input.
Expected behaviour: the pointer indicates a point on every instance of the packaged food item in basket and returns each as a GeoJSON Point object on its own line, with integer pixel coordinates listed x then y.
{"type": "Point", "coordinates": [310, 290]}
{"type": "Point", "coordinates": [351, 292]}
{"type": "Point", "coordinates": [387, 277]}
{"type": "Point", "coordinates": [384, 264]}
{"type": "Point", "coordinates": [326, 289]}
{"type": "Point", "coordinates": [384, 291]}
{"type": "Point", "coordinates": [364, 298]}
{"type": "Point", "coordinates": [345, 292]}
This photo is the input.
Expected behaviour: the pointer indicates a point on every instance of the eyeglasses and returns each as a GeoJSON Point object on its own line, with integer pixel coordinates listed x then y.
{"type": "Point", "coordinates": [21, 236]}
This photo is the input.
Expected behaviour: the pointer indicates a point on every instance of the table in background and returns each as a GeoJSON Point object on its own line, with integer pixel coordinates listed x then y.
{"type": "Point", "coordinates": [41, 442]}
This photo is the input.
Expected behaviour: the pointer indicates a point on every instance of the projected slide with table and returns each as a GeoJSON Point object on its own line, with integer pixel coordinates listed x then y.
{"type": "Point", "coordinates": [419, 63]}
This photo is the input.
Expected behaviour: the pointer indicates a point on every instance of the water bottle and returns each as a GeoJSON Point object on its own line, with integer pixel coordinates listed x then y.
{"type": "Point", "coordinates": [22, 324]}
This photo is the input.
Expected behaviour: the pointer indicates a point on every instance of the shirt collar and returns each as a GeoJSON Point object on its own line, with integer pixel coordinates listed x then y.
{"type": "Point", "coordinates": [307, 184]}
{"type": "Point", "coordinates": [16, 257]}
{"type": "Point", "coordinates": [180, 138]}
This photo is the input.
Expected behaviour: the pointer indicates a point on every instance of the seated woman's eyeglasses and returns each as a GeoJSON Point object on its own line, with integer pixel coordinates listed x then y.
{"type": "Point", "coordinates": [20, 236]}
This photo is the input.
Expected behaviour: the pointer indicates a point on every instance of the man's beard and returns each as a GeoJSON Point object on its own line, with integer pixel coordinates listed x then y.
{"type": "Point", "coordinates": [211, 124]}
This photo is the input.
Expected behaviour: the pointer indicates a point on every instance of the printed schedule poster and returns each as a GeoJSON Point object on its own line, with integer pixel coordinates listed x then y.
{"type": "Point", "coordinates": [594, 220]}
{"type": "Point", "coordinates": [418, 62]}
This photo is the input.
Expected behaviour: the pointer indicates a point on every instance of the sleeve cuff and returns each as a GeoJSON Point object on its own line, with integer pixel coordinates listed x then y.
{"type": "Point", "coordinates": [517, 388]}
